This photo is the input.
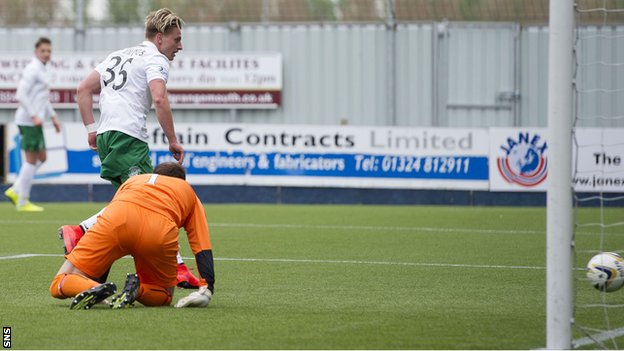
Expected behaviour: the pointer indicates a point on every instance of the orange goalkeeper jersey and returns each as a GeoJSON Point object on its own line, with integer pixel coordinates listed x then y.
{"type": "Point", "coordinates": [172, 197]}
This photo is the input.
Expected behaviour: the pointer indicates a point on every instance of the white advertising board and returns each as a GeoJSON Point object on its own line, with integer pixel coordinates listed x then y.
{"type": "Point", "coordinates": [519, 159]}
{"type": "Point", "coordinates": [598, 160]}
{"type": "Point", "coordinates": [197, 80]}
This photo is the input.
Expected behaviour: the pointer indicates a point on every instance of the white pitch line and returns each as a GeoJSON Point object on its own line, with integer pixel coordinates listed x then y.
{"type": "Point", "coordinates": [370, 228]}
{"type": "Point", "coordinates": [316, 226]}
{"type": "Point", "coordinates": [33, 221]}
{"type": "Point", "coordinates": [416, 264]}
{"type": "Point", "coordinates": [607, 335]}
{"type": "Point", "coordinates": [601, 305]}
{"type": "Point", "coordinates": [336, 227]}
{"type": "Point", "coordinates": [288, 260]}
{"type": "Point", "coordinates": [28, 255]}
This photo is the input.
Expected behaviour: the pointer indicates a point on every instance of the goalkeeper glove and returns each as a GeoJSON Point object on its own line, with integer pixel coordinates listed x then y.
{"type": "Point", "coordinates": [200, 298]}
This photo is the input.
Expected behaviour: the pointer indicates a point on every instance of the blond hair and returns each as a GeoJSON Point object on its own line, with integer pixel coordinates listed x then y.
{"type": "Point", "coordinates": [161, 21]}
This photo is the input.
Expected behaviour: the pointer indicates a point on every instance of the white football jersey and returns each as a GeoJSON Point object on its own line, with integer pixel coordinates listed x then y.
{"type": "Point", "coordinates": [33, 94]}
{"type": "Point", "coordinates": [125, 99]}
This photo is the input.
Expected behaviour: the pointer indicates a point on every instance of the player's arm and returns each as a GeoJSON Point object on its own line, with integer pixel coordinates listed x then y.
{"type": "Point", "coordinates": [196, 227]}
{"type": "Point", "coordinates": [56, 123]}
{"type": "Point", "coordinates": [84, 95]}
{"type": "Point", "coordinates": [53, 117]}
{"type": "Point", "coordinates": [165, 117]}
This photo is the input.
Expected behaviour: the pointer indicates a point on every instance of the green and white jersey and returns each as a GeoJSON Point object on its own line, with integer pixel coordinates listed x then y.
{"type": "Point", "coordinates": [125, 98]}
{"type": "Point", "coordinates": [33, 94]}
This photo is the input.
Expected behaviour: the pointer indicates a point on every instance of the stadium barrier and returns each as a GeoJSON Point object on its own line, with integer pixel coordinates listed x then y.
{"type": "Point", "coordinates": [255, 163]}
{"type": "Point", "coordinates": [226, 194]}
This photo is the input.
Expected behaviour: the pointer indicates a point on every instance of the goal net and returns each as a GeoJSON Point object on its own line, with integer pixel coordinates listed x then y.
{"type": "Point", "coordinates": [598, 167]}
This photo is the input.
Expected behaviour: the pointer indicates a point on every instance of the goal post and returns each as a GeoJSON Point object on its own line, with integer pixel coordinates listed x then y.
{"type": "Point", "coordinates": [559, 223]}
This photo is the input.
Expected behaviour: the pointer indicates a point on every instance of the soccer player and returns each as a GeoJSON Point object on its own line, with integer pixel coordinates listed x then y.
{"type": "Point", "coordinates": [128, 81]}
{"type": "Point", "coordinates": [142, 220]}
{"type": "Point", "coordinates": [33, 95]}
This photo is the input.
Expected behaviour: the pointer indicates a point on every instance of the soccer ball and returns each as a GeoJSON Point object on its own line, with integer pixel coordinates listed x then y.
{"type": "Point", "coordinates": [605, 271]}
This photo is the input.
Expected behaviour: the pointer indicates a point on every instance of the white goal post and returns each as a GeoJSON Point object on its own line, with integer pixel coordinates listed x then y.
{"type": "Point", "coordinates": [559, 223]}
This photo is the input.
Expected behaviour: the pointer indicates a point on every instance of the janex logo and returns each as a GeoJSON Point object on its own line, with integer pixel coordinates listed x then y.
{"type": "Point", "coordinates": [524, 162]}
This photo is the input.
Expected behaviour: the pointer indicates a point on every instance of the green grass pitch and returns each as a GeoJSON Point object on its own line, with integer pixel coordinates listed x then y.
{"type": "Point", "coordinates": [315, 277]}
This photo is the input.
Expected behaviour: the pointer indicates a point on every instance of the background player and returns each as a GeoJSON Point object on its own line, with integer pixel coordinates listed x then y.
{"type": "Point", "coordinates": [128, 81]}
{"type": "Point", "coordinates": [33, 95]}
{"type": "Point", "coordinates": [142, 220]}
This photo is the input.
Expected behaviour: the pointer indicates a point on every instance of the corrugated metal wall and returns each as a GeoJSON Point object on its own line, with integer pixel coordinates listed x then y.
{"type": "Point", "coordinates": [600, 82]}
{"type": "Point", "coordinates": [415, 84]}
{"type": "Point", "coordinates": [480, 69]}
{"type": "Point", "coordinates": [534, 76]}
{"type": "Point", "coordinates": [425, 74]}
{"type": "Point", "coordinates": [331, 73]}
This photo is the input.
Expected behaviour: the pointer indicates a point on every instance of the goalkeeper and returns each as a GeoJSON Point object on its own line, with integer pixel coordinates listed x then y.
{"type": "Point", "coordinates": [142, 220]}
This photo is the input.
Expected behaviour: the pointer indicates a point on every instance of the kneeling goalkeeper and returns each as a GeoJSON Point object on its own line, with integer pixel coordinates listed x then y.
{"type": "Point", "coordinates": [142, 220]}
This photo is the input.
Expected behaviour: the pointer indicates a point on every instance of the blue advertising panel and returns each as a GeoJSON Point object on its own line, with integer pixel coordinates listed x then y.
{"type": "Point", "coordinates": [293, 155]}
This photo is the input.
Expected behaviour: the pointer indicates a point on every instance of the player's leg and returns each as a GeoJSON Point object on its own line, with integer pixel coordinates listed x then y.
{"type": "Point", "coordinates": [129, 293]}
{"type": "Point", "coordinates": [33, 145]}
{"type": "Point", "coordinates": [71, 282]}
{"type": "Point", "coordinates": [154, 259]}
{"type": "Point", "coordinates": [30, 144]}
{"type": "Point", "coordinates": [156, 266]}
{"type": "Point", "coordinates": [12, 192]}
{"type": "Point", "coordinates": [93, 256]}
{"type": "Point", "coordinates": [71, 234]}
{"type": "Point", "coordinates": [25, 176]}
{"type": "Point", "coordinates": [147, 294]}
{"type": "Point", "coordinates": [185, 279]}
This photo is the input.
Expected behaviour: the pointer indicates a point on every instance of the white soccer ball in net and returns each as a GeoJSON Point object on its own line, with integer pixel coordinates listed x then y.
{"type": "Point", "coordinates": [605, 271]}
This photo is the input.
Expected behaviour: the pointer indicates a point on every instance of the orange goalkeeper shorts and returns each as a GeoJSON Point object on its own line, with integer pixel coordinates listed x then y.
{"type": "Point", "coordinates": [127, 229]}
